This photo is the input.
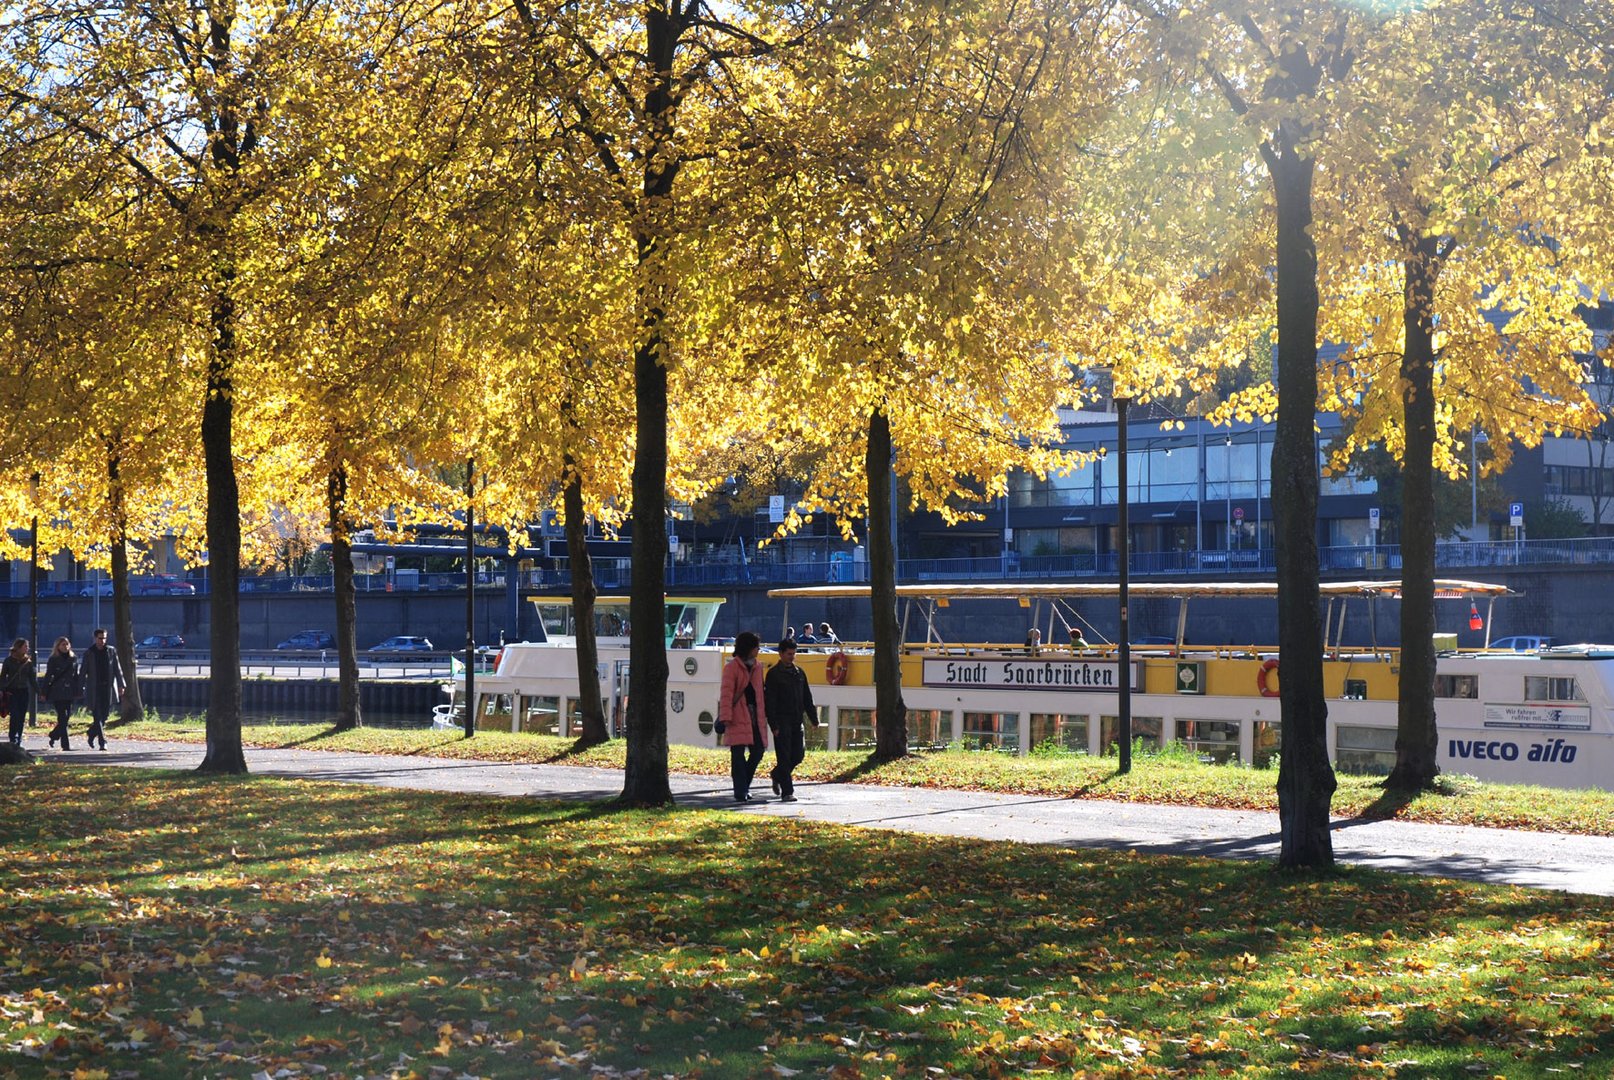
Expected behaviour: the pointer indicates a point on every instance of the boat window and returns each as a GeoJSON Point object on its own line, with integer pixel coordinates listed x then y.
{"type": "Point", "coordinates": [816, 736]}
{"type": "Point", "coordinates": [1146, 728]}
{"type": "Point", "coordinates": [495, 713]}
{"type": "Point", "coordinates": [992, 731]}
{"type": "Point", "coordinates": [929, 729]}
{"type": "Point", "coordinates": [540, 715]}
{"type": "Point", "coordinates": [1267, 740]}
{"type": "Point", "coordinates": [1214, 742]}
{"type": "Point", "coordinates": [1369, 751]}
{"type": "Point", "coordinates": [854, 728]}
{"type": "Point", "coordinates": [1355, 690]}
{"type": "Point", "coordinates": [1059, 731]}
{"type": "Point", "coordinates": [1457, 686]}
{"type": "Point", "coordinates": [1552, 688]}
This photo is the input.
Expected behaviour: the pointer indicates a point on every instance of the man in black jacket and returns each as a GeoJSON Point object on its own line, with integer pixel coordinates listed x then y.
{"type": "Point", "coordinates": [101, 676]}
{"type": "Point", "coordinates": [785, 689]}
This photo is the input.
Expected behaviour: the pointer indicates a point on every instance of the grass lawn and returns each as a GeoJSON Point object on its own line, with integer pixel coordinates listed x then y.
{"type": "Point", "coordinates": [168, 925]}
{"type": "Point", "coordinates": [1173, 779]}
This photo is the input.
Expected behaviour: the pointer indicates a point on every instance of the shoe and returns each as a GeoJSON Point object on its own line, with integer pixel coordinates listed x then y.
{"type": "Point", "coordinates": [776, 787]}
{"type": "Point", "coordinates": [53, 742]}
{"type": "Point", "coordinates": [788, 798]}
{"type": "Point", "coordinates": [103, 746]}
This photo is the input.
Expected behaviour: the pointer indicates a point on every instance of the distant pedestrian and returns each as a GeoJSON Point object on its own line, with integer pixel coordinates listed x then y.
{"type": "Point", "coordinates": [102, 676]}
{"type": "Point", "coordinates": [807, 637]}
{"type": "Point", "coordinates": [789, 703]}
{"type": "Point", "coordinates": [826, 636]}
{"type": "Point", "coordinates": [18, 681]}
{"type": "Point", "coordinates": [742, 713]}
{"type": "Point", "coordinates": [61, 687]}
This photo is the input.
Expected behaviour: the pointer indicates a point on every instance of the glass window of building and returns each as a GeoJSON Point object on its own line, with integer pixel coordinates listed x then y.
{"type": "Point", "coordinates": [1064, 731]}
{"type": "Point", "coordinates": [1214, 741]}
{"type": "Point", "coordinates": [1457, 686]}
{"type": "Point", "coordinates": [854, 728]}
{"type": "Point", "coordinates": [1369, 751]}
{"type": "Point", "coordinates": [1146, 728]}
{"type": "Point", "coordinates": [992, 731]}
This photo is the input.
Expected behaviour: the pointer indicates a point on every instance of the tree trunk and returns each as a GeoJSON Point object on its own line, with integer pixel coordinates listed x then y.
{"type": "Point", "coordinates": [644, 781]}
{"type": "Point", "coordinates": [348, 715]}
{"type": "Point", "coordinates": [224, 753]}
{"type": "Point", "coordinates": [890, 714]}
{"type": "Point", "coordinates": [1416, 737]}
{"type": "Point", "coordinates": [1305, 778]}
{"type": "Point", "coordinates": [131, 708]}
{"type": "Point", "coordinates": [590, 707]}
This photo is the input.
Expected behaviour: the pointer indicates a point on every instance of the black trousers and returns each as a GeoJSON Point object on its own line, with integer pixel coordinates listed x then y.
{"type": "Point", "coordinates": [64, 709]}
{"type": "Point", "coordinates": [19, 714]}
{"type": "Point", "coordinates": [789, 748]}
{"type": "Point", "coordinates": [98, 714]}
{"type": "Point", "coordinates": [743, 761]}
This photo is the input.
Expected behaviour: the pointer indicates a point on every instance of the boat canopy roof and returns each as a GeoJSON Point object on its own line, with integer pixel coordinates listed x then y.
{"type": "Point", "coordinates": [1448, 588]}
{"type": "Point", "coordinates": [689, 619]}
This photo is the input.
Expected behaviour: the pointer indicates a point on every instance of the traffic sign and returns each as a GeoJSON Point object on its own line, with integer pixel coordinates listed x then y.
{"type": "Point", "coordinates": [1516, 514]}
{"type": "Point", "coordinates": [1373, 519]}
{"type": "Point", "coordinates": [776, 509]}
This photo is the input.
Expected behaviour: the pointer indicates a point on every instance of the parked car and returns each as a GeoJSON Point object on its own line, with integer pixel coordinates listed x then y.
{"type": "Point", "coordinates": [160, 645]}
{"type": "Point", "coordinates": [403, 644]}
{"type": "Point", "coordinates": [1523, 643]}
{"type": "Point", "coordinates": [310, 640]}
{"type": "Point", "coordinates": [164, 585]}
{"type": "Point", "coordinates": [97, 588]}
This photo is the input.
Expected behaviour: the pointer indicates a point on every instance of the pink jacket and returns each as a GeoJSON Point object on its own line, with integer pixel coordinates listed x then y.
{"type": "Point", "coordinates": [731, 704]}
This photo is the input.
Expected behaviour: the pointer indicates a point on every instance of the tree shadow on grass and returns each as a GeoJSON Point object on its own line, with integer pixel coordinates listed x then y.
{"type": "Point", "coordinates": [863, 768]}
{"type": "Point", "coordinates": [567, 753]}
{"type": "Point", "coordinates": [1391, 801]}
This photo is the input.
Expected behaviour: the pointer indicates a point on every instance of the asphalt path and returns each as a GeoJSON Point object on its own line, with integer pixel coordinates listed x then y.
{"type": "Point", "coordinates": [1559, 861]}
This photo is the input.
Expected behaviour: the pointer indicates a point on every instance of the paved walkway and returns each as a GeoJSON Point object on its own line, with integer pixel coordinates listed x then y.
{"type": "Point", "coordinates": [1569, 863]}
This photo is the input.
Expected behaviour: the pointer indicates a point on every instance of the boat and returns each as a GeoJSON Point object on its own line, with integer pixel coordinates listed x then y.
{"type": "Point", "coordinates": [1544, 717]}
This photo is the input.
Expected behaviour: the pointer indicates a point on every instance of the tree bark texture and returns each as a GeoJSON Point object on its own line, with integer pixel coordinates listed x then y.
{"type": "Point", "coordinates": [590, 705]}
{"type": "Point", "coordinates": [644, 781]}
{"type": "Point", "coordinates": [1305, 778]}
{"type": "Point", "coordinates": [890, 714]}
{"type": "Point", "coordinates": [1416, 737]}
{"type": "Point", "coordinates": [224, 752]}
{"type": "Point", "coordinates": [348, 713]}
{"type": "Point", "coordinates": [131, 707]}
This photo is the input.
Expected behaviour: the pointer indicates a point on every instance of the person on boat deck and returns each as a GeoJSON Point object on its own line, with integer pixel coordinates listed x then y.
{"type": "Point", "coordinates": [789, 701]}
{"type": "Point", "coordinates": [1076, 639]}
{"type": "Point", "coordinates": [806, 637]}
{"type": "Point", "coordinates": [1033, 640]}
{"type": "Point", "coordinates": [826, 636]}
{"type": "Point", "coordinates": [742, 713]}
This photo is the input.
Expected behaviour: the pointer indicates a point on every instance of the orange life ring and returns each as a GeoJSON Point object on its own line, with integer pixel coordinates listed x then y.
{"type": "Point", "coordinates": [1261, 679]}
{"type": "Point", "coordinates": [836, 667]}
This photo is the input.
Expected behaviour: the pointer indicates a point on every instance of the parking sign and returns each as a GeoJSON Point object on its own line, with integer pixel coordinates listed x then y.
{"type": "Point", "coordinates": [1373, 519]}
{"type": "Point", "coordinates": [1516, 514]}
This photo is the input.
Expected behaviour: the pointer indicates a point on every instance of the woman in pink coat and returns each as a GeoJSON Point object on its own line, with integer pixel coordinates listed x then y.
{"type": "Point", "coordinates": [742, 718]}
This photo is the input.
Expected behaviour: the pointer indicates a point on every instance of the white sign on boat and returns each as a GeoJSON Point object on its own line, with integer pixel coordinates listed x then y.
{"type": "Point", "coordinates": [1001, 674]}
{"type": "Point", "coordinates": [1552, 717]}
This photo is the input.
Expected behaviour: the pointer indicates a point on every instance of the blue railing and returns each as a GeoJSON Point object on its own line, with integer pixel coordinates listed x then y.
{"type": "Point", "coordinates": [614, 575]}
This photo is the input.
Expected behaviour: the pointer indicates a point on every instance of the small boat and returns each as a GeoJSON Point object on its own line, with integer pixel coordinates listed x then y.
{"type": "Point", "coordinates": [1543, 717]}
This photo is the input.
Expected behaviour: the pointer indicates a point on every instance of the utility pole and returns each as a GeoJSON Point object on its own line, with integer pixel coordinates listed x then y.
{"type": "Point", "coordinates": [470, 597]}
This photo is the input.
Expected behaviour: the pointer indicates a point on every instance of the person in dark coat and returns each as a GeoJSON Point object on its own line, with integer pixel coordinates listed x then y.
{"type": "Point", "coordinates": [60, 687]}
{"type": "Point", "coordinates": [18, 681]}
{"type": "Point", "coordinates": [102, 676]}
{"type": "Point", "coordinates": [790, 704]}
{"type": "Point", "coordinates": [742, 716]}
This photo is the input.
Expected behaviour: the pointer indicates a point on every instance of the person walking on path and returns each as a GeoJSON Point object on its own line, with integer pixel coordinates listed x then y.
{"type": "Point", "coordinates": [18, 680]}
{"type": "Point", "coordinates": [789, 701]}
{"type": "Point", "coordinates": [102, 675]}
{"type": "Point", "coordinates": [61, 687]}
{"type": "Point", "coordinates": [742, 713]}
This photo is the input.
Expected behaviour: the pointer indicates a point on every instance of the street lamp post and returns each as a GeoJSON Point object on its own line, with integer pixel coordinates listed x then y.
{"type": "Point", "coordinates": [33, 594]}
{"type": "Point", "coordinates": [1124, 710]}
